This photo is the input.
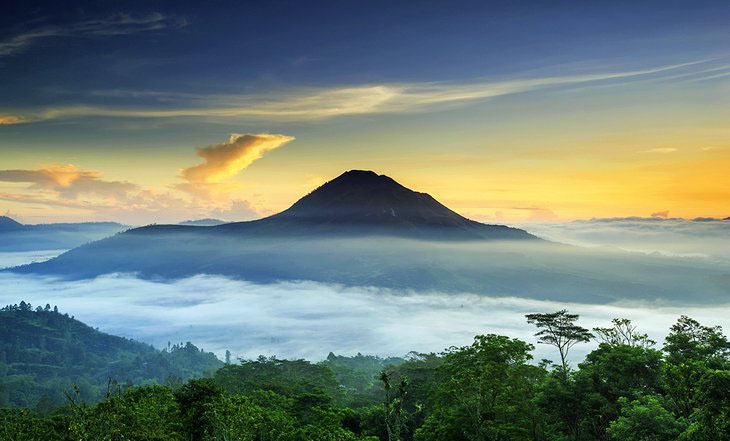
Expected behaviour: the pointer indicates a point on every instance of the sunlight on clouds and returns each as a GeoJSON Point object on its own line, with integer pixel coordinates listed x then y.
{"type": "Point", "coordinates": [92, 197]}
{"type": "Point", "coordinates": [223, 161]}
{"type": "Point", "coordinates": [317, 104]}
{"type": "Point", "coordinates": [6, 120]}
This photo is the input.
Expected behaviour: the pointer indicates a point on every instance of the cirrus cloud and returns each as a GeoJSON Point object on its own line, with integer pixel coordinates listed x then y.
{"type": "Point", "coordinates": [6, 120]}
{"type": "Point", "coordinates": [310, 104]}
{"type": "Point", "coordinates": [120, 24]}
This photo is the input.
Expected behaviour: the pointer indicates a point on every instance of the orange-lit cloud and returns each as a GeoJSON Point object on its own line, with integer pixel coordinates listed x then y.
{"type": "Point", "coordinates": [223, 161]}
{"type": "Point", "coordinates": [69, 182]}
{"type": "Point", "coordinates": [69, 187]}
{"type": "Point", "coordinates": [6, 120]}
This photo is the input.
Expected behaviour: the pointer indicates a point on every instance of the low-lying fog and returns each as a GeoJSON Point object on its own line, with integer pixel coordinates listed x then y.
{"type": "Point", "coordinates": [708, 238]}
{"type": "Point", "coordinates": [308, 320]}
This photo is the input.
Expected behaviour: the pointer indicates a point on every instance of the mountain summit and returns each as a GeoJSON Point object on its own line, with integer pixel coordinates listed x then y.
{"type": "Point", "coordinates": [364, 197]}
{"type": "Point", "coordinates": [363, 202]}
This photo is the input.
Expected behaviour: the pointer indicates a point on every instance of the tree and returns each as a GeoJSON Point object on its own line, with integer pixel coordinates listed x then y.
{"type": "Point", "coordinates": [394, 405]}
{"type": "Point", "coordinates": [559, 329]}
{"type": "Point", "coordinates": [193, 400]}
{"type": "Point", "coordinates": [711, 419]}
{"type": "Point", "coordinates": [692, 350]}
{"type": "Point", "coordinates": [623, 332]}
{"type": "Point", "coordinates": [645, 420]}
{"type": "Point", "coordinates": [236, 418]}
{"type": "Point", "coordinates": [485, 392]}
{"type": "Point", "coordinates": [608, 374]}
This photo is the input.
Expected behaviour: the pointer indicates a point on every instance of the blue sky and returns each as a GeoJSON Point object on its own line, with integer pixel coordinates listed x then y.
{"type": "Point", "coordinates": [126, 89]}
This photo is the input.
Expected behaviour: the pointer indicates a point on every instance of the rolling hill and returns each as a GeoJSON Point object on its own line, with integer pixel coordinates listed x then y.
{"type": "Point", "coordinates": [44, 353]}
{"type": "Point", "coordinates": [15, 236]}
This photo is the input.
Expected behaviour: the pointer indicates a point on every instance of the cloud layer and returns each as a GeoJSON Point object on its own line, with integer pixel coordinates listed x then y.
{"type": "Point", "coordinates": [308, 319]}
{"type": "Point", "coordinates": [702, 238]}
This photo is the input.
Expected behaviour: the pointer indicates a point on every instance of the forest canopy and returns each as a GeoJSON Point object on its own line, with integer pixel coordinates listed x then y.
{"type": "Point", "coordinates": [628, 388]}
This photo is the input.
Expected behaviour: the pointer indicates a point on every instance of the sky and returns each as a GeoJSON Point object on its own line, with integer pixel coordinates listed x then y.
{"type": "Point", "coordinates": [513, 111]}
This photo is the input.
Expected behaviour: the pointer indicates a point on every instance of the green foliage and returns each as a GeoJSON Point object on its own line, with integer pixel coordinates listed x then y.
{"type": "Point", "coordinates": [490, 390]}
{"type": "Point", "coordinates": [286, 377]}
{"type": "Point", "coordinates": [142, 414]}
{"type": "Point", "coordinates": [559, 329]}
{"type": "Point", "coordinates": [609, 374]}
{"type": "Point", "coordinates": [645, 419]}
{"type": "Point", "coordinates": [484, 392]}
{"type": "Point", "coordinates": [711, 419]}
{"type": "Point", "coordinates": [44, 353]}
{"type": "Point", "coordinates": [359, 376]}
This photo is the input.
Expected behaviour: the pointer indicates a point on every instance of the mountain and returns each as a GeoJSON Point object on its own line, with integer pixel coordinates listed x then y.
{"type": "Point", "coordinates": [208, 222]}
{"type": "Point", "coordinates": [9, 224]}
{"type": "Point", "coordinates": [364, 229]}
{"type": "Point", "coordinates": [362, 202]}
{"type": "Point", "coordinates": [44, 353]}
{"type": "Point", "coordinates": [15, 236]}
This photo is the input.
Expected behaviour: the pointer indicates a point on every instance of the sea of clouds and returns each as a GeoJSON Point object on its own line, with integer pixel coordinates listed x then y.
{"type": "Point", "coordinates": [308, 320]}
{"type": "Point", "coordinates": [700, 238]}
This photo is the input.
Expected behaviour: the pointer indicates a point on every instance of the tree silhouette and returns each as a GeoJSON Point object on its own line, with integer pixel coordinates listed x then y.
{"type": "Point", "coordinates": [559, 329]}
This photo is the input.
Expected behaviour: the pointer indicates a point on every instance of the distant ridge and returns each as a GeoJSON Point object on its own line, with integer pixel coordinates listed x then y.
{"type": "Point", "coordinates": [8, 223]}
{"type": "Point", "coordinates": [15, 236]}
{"type": "Point", "coordinates": [207, 222]}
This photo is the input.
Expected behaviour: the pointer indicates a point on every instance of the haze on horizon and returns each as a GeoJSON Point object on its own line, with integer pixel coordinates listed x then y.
{"type": "Point", "coordinates": [506, 112]}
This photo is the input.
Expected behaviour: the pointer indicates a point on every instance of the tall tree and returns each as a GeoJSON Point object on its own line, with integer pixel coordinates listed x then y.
{"type": "Point", "coordinates": [559, 329]}
{"type": "Point", "coordinates": [623, 332]}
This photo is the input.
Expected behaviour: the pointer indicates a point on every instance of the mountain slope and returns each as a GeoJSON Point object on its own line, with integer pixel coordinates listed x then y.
{"type": "Point", "coordinates": [362, 229]}
{"type": "Point", "coordinates": [43, 352]}
{"type": "Point", "coordinates": [9, 224]}
{"type": "Point", "coordinates": [15, 236]}
{"type": "Point", "coordinates": [360, 202]}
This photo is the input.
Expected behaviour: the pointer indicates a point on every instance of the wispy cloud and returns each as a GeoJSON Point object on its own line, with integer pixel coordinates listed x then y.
{"type": "Point", "coordinates": [68, 181]}
{"type": "Point", "coordinates": [70, 187]}
{"type": "Point", "coordinates": [121, 24]}
{"type": "Point", "coordinates": [324, 103]}
{"type": "Point", "coordinates": [6, 120]}
{"type": "Point", "coordinates": [663, 150]}
{"type": "Point", "coordinates": [223, 161]}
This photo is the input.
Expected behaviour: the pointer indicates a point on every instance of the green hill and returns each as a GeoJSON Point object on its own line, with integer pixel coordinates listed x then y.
{"type": "Point", "coordinates": [44, 353]}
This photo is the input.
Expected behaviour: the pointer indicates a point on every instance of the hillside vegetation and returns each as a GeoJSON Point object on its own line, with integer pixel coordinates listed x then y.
{"type": "Point", "coordinates": [625, 390]}
{"type": "Point", "coordinates": [44, 353]}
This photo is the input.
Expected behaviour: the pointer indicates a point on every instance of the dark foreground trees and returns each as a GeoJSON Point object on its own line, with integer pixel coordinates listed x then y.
{"type": "Point", "coordinates": [625, 389]}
